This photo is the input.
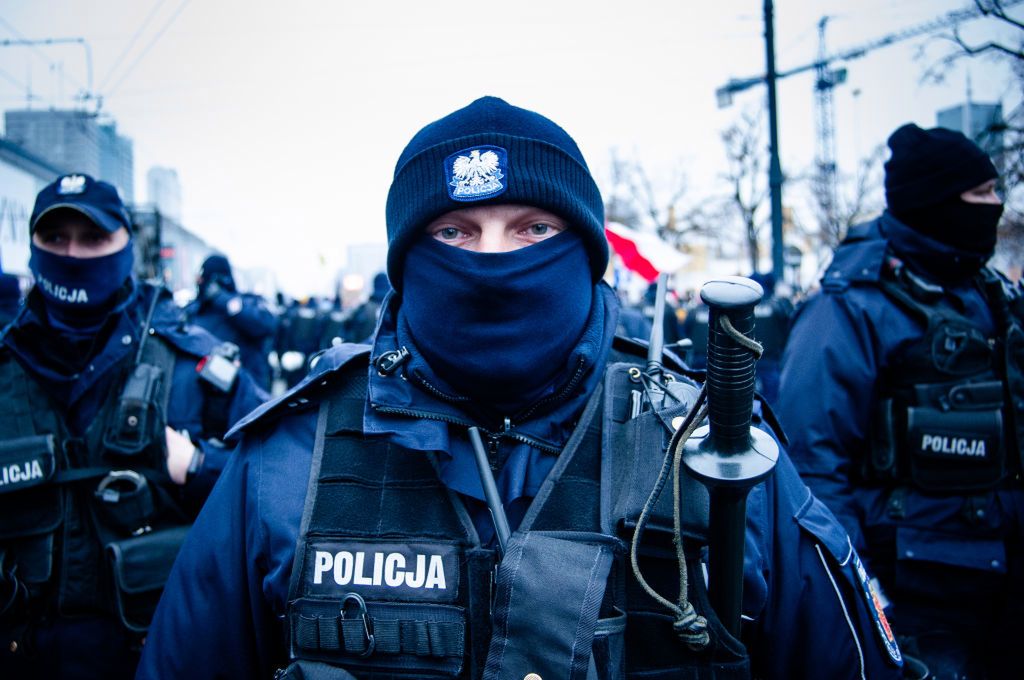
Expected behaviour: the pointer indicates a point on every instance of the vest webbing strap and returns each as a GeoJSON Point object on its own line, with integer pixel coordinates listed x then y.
{"type": "Point", "coordinates": [390, 636]}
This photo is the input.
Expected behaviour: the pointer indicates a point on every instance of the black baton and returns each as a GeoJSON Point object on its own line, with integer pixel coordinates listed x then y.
{"type": "Point", "coordinates": [729, 456]}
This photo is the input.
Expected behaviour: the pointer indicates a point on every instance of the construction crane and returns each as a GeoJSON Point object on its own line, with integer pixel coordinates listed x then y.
{"type": "Point", "coordinates": [826, 176]}
{"type": "Point", "coordinates": [827, 78]}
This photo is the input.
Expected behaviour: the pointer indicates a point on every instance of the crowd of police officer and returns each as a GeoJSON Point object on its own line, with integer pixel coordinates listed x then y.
{"type": "Point", "coordinates": [900, 392]}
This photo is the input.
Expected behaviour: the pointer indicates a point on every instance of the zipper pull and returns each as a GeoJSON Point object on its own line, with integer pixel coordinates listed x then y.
{"type": "Point", "coordinates": [389, 362]}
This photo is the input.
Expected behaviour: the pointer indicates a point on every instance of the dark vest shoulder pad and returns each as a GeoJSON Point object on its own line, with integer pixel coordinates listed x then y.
{"type": "Point", "coordinates": [329, 367]}
{"type": "Point", "coordinates": [858, 259]}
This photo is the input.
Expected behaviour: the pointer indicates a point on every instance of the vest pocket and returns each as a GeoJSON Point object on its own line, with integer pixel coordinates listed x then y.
{"type": "Point", "coordinates": [407, 639]}
{"type": "Point", "coordinates": [31, 508]}
{"type": "Point", "coordinates": [932, 564]}
{"type": "Point", "coordinates": [140, 567]}
{"type": "Point", "coordinates": [955, 450]}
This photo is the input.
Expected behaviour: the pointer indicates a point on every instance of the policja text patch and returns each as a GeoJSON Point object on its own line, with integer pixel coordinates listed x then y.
{"type": "Point", "coordinates": [383, 571]}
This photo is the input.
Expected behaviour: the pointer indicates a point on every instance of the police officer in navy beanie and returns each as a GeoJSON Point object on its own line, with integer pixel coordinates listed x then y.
{"type": "Point", "coordinates": [104, 451]}
{"type": "Point", "coordinates": [913, 353]}
{"type": "Point", "coordinates": [352, 537]}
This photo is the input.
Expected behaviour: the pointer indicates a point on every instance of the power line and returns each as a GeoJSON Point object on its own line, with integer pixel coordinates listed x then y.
{"type": "Point", "coordinates": [33, 46]}
{"type": "Point", "coordinates": [131, 42]}
{"type": "Point", "coordinates": [145, 51]}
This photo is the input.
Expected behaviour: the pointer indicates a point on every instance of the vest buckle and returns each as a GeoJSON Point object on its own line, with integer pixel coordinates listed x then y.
{"type": "Point", "coordinates": [367, 621]}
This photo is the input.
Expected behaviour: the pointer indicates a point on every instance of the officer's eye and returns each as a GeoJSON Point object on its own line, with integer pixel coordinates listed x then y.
{"type": "Point", "coordinates": [540, 229]}
{"type": "Point", "coordinates": [53, 237]}
{"type": "Point", "coordinates": [447, 233]}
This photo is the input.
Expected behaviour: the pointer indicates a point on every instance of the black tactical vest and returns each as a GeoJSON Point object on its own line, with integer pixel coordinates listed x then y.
{"type": "Point", "coordinates": [86, 527]}
{"type": "Point", "coordinates": [948, 416]}
{"type": "Point", "coordinates": [390, 579]}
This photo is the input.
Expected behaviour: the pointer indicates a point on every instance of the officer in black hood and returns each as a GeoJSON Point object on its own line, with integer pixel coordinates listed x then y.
{"type": "Point", "coordinates": [902, 395]}
{"type": "Point", "coordinates": [239, 318]}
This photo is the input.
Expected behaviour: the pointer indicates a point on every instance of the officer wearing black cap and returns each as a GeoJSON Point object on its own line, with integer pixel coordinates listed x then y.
{"type": "Point", "coordinates": [242, 319]}
{"type": "Point", "coordinates": [359, 529]}
{"type": "Point", "coordinates": [902, 395]}
{"type": "Point", "coordinates": [104, 452]}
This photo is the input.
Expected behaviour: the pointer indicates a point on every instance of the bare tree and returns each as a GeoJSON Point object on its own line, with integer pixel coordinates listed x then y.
{"type": "Point", "coordinates": [639, 199]}
{"type": "Point", "coordinates": [858, 199]}
{"type": "Point", "coordinates": [747, 158]}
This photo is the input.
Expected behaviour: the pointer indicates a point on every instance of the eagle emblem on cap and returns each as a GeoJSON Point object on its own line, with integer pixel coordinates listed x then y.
{"type": "Point", "coordinates": [476, 175]}
{"type": "Point", "coordinates": [71, 184]}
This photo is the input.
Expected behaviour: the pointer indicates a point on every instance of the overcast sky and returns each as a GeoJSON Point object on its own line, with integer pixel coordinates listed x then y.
{"type": "Point", "coordinates": [284, 120]}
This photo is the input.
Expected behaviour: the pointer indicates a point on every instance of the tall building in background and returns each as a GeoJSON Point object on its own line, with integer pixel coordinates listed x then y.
{"type": "Point", "coordinates": [981, 122]}
{"type": "Point", "coordinates": [163, 191]}
{"type": "Point", "coordinates": [76, 140]}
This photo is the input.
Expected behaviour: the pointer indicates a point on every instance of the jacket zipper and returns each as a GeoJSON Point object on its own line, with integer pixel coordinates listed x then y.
{"type": "Point", "coordinates": [494, 436]}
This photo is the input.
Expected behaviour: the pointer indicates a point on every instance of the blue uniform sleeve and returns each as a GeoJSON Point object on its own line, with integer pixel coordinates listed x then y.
{"type": "Point", "coordinates": [826, 392]}
{"type": "Point", "coordinates": [247, 314]}
{"type": "Point", "coordinates": [807, 601]}
{"type": "Point", "coordinates": [221, 611]}
{"type": "Point", "coordinates": [212, 620]}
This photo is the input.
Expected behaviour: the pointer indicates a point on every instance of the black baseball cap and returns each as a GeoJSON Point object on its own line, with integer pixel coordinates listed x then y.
{"type": "Point", "coordinates": [98, 201]}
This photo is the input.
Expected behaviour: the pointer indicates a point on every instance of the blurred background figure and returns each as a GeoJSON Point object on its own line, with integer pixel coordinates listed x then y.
{"type": "Point", "coordinates": [239, 318]}
{"type": "Point", "coordinates": [10, 298]}
{"type": "Point", "coordinates": [299, 339]}
{"type": "Point", "coordinates": [363, 320]}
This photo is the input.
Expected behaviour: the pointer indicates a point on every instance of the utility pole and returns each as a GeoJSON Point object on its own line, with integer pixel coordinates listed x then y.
{"type": "Point", "coordinates": [775, 166]}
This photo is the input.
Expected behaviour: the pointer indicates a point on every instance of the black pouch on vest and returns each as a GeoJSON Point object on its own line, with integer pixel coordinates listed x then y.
{"type": "Point", "coordinates": [547, 632]}
{"type": "Point", "coordinates": [140, 567]}
{"type": "Point", "coordinates": [955, 451]}
{"type": "Point", "coordinates": [138, 420]}
{"type": "Point", "coordinates": [313, 670]}
{"type": "Point", "coordinates": [31, 508]}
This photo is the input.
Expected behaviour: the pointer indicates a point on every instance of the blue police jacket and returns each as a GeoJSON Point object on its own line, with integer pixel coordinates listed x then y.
{"type": "Point", "coordinates": [842, 341]}
{"type": "Point", "coordinates": [244, 320]}
{"type": "Point", "coordinates": [90, 647]}
{"type": "Point", "coordinates": [807, 611]}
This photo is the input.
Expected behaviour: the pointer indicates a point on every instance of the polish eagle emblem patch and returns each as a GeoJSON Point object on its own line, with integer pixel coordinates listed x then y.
{"type": "Point", "coordinates": [476, 173]}
{"type": "Point", "coordinates": [71, 184]}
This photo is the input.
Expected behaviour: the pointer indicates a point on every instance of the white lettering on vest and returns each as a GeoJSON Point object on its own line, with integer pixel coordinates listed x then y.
{"type": "Point", "coordinates": [324, 560]}
{"type": "Point", "coordinates": [435, 574]}
{"type": "Point", "coordinates": [957, 446]}
{"type": "Point", "coordinates": [343, 568]}
{"type": "Point", "coordinates": [388, 569]}
{"type": "Point", "coordinates": [392, 574]}
{"type": "Point", "coordinates": [21, 472]}
{"type": "Point", "coordinates": [415, 579]}
{"type": "Point", "coordinates": [361, 579]}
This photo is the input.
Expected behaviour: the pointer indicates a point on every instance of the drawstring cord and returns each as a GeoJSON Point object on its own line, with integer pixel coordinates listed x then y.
{"type": "Point", "coordinates": [690, 626]}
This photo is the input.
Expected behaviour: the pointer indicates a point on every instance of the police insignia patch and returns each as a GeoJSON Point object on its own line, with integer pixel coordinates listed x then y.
{"type": "Point", "coordinates": [875, 607]}
{"type": "Point", "coordinates": [476, 173]}
{"type": "Point", "coordinates": [71, 184]}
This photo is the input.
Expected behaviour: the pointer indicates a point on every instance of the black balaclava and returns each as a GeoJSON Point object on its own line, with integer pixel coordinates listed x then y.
{"type": "Point", "coordinates": [924, 178]}
{"type": "Point", "coordinates": [216, 269]}
{"type": "Point", "coordinates": [79, 293]}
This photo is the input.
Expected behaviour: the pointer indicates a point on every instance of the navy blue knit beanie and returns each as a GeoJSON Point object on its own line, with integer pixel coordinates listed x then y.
{"type": "Point", "coordinates": [491, 153]}
{"type": "Point", "coordinates": [930, 166]}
